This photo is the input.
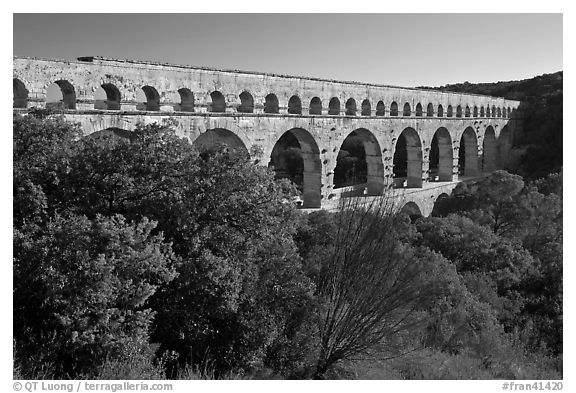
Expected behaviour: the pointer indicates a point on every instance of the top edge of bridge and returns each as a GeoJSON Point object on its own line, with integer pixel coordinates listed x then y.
{"type": "Point", "coordinates": [91, 59]}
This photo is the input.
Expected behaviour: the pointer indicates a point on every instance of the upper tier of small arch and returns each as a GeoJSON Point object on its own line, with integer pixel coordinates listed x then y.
{"type": "Point", "coordinates": [167, 87]}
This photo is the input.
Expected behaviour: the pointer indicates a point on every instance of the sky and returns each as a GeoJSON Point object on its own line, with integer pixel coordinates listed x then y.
{"type": "Point", "coordinates": [394, 49]}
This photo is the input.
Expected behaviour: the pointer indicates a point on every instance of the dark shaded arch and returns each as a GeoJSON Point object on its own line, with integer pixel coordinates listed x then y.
{"type": "Point", "coordinates": [430, 110]}
{"type": "Point", "coordinates": [418, 109]}
{"type": "Point", "coordinates": [186, 101]}
{"type": "Point", "coordinates": [412, 210]}
{"type": "Point", "coordinates": [360, 161]}
{"type": "Point", "coordinates": [271, 104]}
{"type": "Point", "coordinates": [218, 102]}
{"type": "Point", "coordinates": [467, 111]}
{"type": "Point", "coordinates": [334, 106]}
{"type": "Point", "coordinates": [212, 138]}
{"type": "Point", "coordinates": [459, 111]}
{"type": "Point", "coordinates": [406, 111]}
{"type": "Point", "coordinates": [315, 106]}
{"type": "Point", "coordinates": [489, 151]}
{"type": "Point", "coordinates": [351, 107]}
{"type": "Point", "coordinates": [246, 102]}
{"type": "Point", "coordinates": [408, 159]}
{"type": "Point", "coordinates": [296, 156]}
{"type": "Point", "coordinates": [440, 112]}
{"type": "Point", "coordinates": [504, 145]}
{"type": "Point", "coordinates": [110, 100]}
{"type": "Point", "coordinates": [481, 111]}
{"type": "Point", "coordinates": [150, 100]}
{"type": "Point", "coordinates": [498, 112]}
{"type": "Point", "coordinates": [449, 111]}
{"type": "Point", "coordinates": [439, 204]}
{"type": "Point", "coordinates": [493, 110]}
{"type": "Point", "coordinates": [487, 111]}
{"type": "Point", "coordinates": [295, 105]}
{"type": "Point", "coordinates": [114, 134]}
{"type": "Point", "coordinates": [475, 113]}
{"type": "Point", "coordinates": [509, 111]}
{"type": "Point", "coordinates": [441, 156]}
{"type": "Point", "coordinates": [380, 109]}
{"type": "Point", "coordinates": [67, 98]}
{"type": "Point", "coordinates": [20, 94]}
{"type": "Point", "coordinates": [366, 108]}
{"type": "Point", "coordinates": [468, 153]}
{"type": "Point", "coordinates": [394, 109]}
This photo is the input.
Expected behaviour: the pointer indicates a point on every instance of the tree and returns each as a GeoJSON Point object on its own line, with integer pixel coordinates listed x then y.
{"type": "Point", "coordinates": [371, 286]}
{"type": "Point", "coordinates": [82, 289]}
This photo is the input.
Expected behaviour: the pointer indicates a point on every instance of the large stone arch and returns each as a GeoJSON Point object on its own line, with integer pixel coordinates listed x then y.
{"type": "Point", "coordinates": [438, 204]}
{"type": "Point", "coordinates": [489, 151]}
{"type": "Point", "coordinates": [20, 94]}
{"type": "Point", "coordinates": [372, 157]}
{"type": "Point", "coordinates": [311, 166]}
{"type": "Point", "coordinates": [107, 97]}
{"type": "Point", "coordinates": [441, 156]}
{"type": "Point", "coordinates": [61, 95]}
{"type": "Point", "coordinates": [408, 159]}
{"type": "Point", "coordinates": [468, 153]}
{"type": "Point", "coordinates": [219, 136]}
{"type": "Point", "coordinates": [411, 209]}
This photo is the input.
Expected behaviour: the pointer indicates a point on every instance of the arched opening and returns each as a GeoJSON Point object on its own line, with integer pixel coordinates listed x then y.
{"type": "Point", "coordinates": [213, 138]}
{"type": "Point", "coordinates": [20, 94]}
{"type": "Point", "coordinates": [148, 99]}
{"type": "Point", "coordinates": [186, 101]}
{"type": "Point", "coordinates": [351, 107]}
{"type": "Point", "coordinates": [61, 95]}
{"type": "Point", "coordinates": [440, 112]}
{"type": "Point", "coordinates": [271, 103]}
{"type": "Point", "coordinates": [408, 160]}
{"type": "Point", "coordinates": [366, 108]}
{"type": "Point", "coordinates": [394, 109]}
{"type": "Point", "coordinates": [406, 111]}
{"type": "Point", "coordinates": [493, 111]}
{"type": "Point", "coordinates": [499, 112]}
{"type": "Point", "coordinates": [360, 162]}
{"type": "Point", "coordinates": [315, 106]}
{"type": "Point", "coordinates": [418, 109]}
{"type": "Point", "coordinates": [246, 103]}
{"type": "Point", "coordinates": [107, 97]}
{"type": "Point", "coordinates": [489, 154]}
{"type": "Point", "coordinates": [487, 111]}
{"type": "Point", "coordinates": [112, 134]}
{"type": "Point", "coordinates": [438, 204]}
{"type": "Point", "coordinates": [509, 111]}
{"type": "Point", "coordinates": [481, 111]}
{"type": "Point", "coordinates": [380, 109]}
{"type": "Point", "coordinates": [334, 106]}
{"type": "Point", "coordinates": [468, 154]}
{"type": "Point", "coordinates": [467, 111]}
{"type": "Point", "coordinates": [218, 102]}
{"type": "Point", "coordinates": [294, 105]}
{"type": "Point", "coordinates": [430, 110]}
{"type": "Point", "coordinates": [459, 111]}
{"type": "Point", "coordinates": [449, 111]}
{"type": "Point", "coordinates": [504, 146]}
{"type": "Point", "coordinates": [296, 156]}
{"type": "Point", "coordinates": [475, 113]}
{"type": "Point", "coordinates": [412, 210]}
{"type": "Point", "coordinates": [441, 156]}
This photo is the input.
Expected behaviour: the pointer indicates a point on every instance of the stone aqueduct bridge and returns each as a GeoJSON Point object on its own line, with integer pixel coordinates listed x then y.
{"type": "Point", "coordinates": [254, 110]}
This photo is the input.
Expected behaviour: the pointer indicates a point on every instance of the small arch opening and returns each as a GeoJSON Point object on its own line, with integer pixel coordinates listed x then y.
{"type": "Point", "coordinates": [449, 111]}
{"type": "Point", "coordinates": [246, 103]}
{"type": "Point", "coordinates": [440, 112]}
{"type": "Point", "coordinates": [315, 106]}
{"type": "Point", "coordinates": [366, 108]}
{"type": "Point", "coordinates": [271, 103]}
{"type": "Point", "coordinates": [459, 111]}
{"type": "Point", "coordinates": [334, 106]}
{"type": "Point", "coordinates": [20, 94]}
{"type": "Point", "coordinates": [418, 109]}
{"type": "Point", "coordinates": [430, 110]}
{"type": "Point", "coordinates": [148, 99]}
{"type": "Point", "coordinates": [218, 102]}
{"type": "Point", "coordinates": [295, 105]}
{"type": "Point", "coordinates": [394, 109]}
{"type": "Point", "coordinates": [186, 100]}
{"type": "Point", "coordinates": [61, 95]}
{"type": "Point", "coordinates": [380, 109]}
{"type": "Point", "coordinates": [351, 107]}
{"type": "Point", "coordinates": [481, 111]}
{"type": "Point", "coordinates": [467, 111]}
{"type": "Point", "coordinates": [406, 111]}
{"type": "Point", "coordinates": [475, 113]}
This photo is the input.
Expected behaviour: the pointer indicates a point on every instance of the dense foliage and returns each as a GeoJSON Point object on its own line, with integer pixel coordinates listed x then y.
{"type": "Point", "coordinates": [136, 256]}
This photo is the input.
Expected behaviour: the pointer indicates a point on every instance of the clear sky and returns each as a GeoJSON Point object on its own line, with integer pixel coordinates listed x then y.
{"type": "Point", "coordinates": [395, 49]}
